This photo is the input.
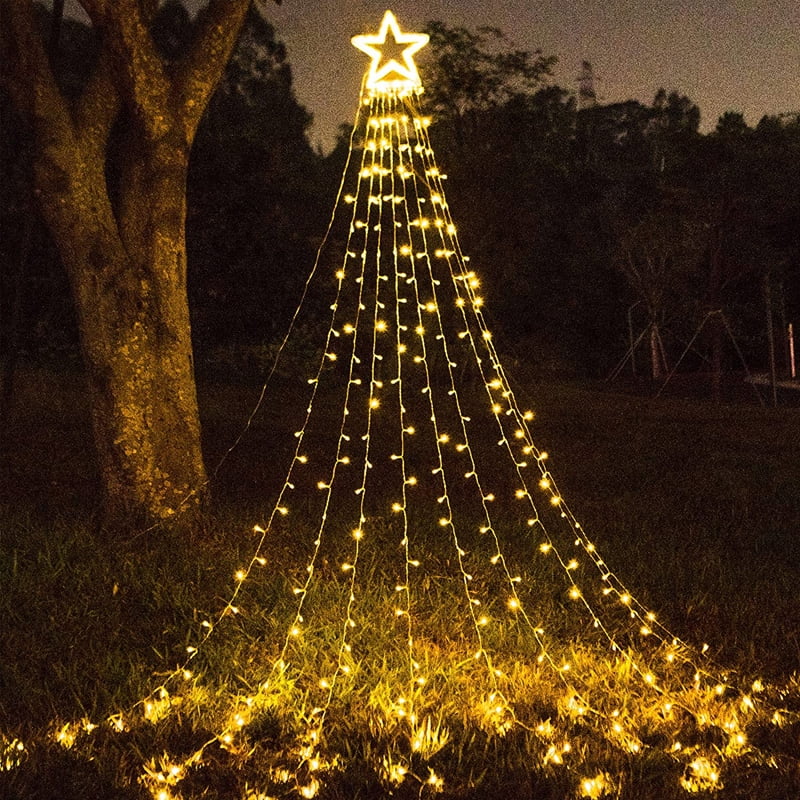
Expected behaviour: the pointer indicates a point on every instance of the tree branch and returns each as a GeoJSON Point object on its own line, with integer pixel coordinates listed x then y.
{"type": "Point", "coordinates": [98, 105]}
{"type": "Point", "coordinates": [26, 69]}
{"type": "Point", "coordinates": [63, 160]}
{"type": "Point", "coordinates": [138, 72]}
{"type": "Point", "coordinates": [217, 28]}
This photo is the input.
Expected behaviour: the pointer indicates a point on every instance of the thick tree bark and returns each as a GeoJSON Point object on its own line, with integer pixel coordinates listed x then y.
{"type": "Point", "coordinates": [122, 240]}
{"type": "Point", "coordinates": [130, 297]}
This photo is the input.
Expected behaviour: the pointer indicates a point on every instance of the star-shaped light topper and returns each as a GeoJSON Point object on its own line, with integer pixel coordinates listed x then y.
{"type": "Point", "coordinates": [398, 72]}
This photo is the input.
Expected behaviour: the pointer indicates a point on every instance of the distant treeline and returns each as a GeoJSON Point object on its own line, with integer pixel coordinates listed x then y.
{"type": "Point", "coordinates": [594, 227]}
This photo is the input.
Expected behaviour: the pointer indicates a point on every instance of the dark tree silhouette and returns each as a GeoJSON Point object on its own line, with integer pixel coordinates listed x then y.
{"type": "Point", "coordinates": [254, 200]}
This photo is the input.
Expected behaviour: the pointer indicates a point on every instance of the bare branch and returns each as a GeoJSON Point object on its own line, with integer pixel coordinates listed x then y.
{"type": "Point", "coordinates": [138, 71]}
{"type": "Point", "coordinates": [99, 103]}
{"type": "Point", "coordinates": [218, 26]}
{"type": "Point", "coordinates": [26, 69]}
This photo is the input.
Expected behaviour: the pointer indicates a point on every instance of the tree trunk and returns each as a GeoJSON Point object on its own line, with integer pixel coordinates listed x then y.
{"type": "Point", "coordinates": [655, 352]}
{"type": "Point", "coordinates": [117, 211]}
{"type": "Point", "coordinates": [128, 278]}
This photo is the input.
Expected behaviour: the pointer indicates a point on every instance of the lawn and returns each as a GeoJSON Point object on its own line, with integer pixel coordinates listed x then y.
{"type": "Point", "coordinates": [694, 505]}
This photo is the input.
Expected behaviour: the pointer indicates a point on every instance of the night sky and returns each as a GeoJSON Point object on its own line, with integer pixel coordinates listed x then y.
{"type": "Point", "coordinates": [737, 55]}
{"type": "Point", "coordinates": [741, 55]}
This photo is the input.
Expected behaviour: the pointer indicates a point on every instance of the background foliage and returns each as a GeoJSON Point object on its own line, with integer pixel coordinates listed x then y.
{"type": "Point", "coordinates": [572, 211]}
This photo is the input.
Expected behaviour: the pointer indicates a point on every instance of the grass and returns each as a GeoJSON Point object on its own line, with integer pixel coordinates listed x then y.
{"type": "Point", "coordinates": [695, 505]}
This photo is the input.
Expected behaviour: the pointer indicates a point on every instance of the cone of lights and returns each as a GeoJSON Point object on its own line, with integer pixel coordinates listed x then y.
{"type": "Point", "coordinates": [413, 453]}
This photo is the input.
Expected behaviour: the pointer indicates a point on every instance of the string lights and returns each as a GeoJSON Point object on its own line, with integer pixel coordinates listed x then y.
{"type": "Point", "coordinates": [409, 453]}
{"type": "Point", "coordinates": [407, 318]}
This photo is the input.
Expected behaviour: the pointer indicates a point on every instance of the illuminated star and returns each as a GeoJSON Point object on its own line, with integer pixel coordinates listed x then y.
{"type": "Point", "coordinates": [398, 72]}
